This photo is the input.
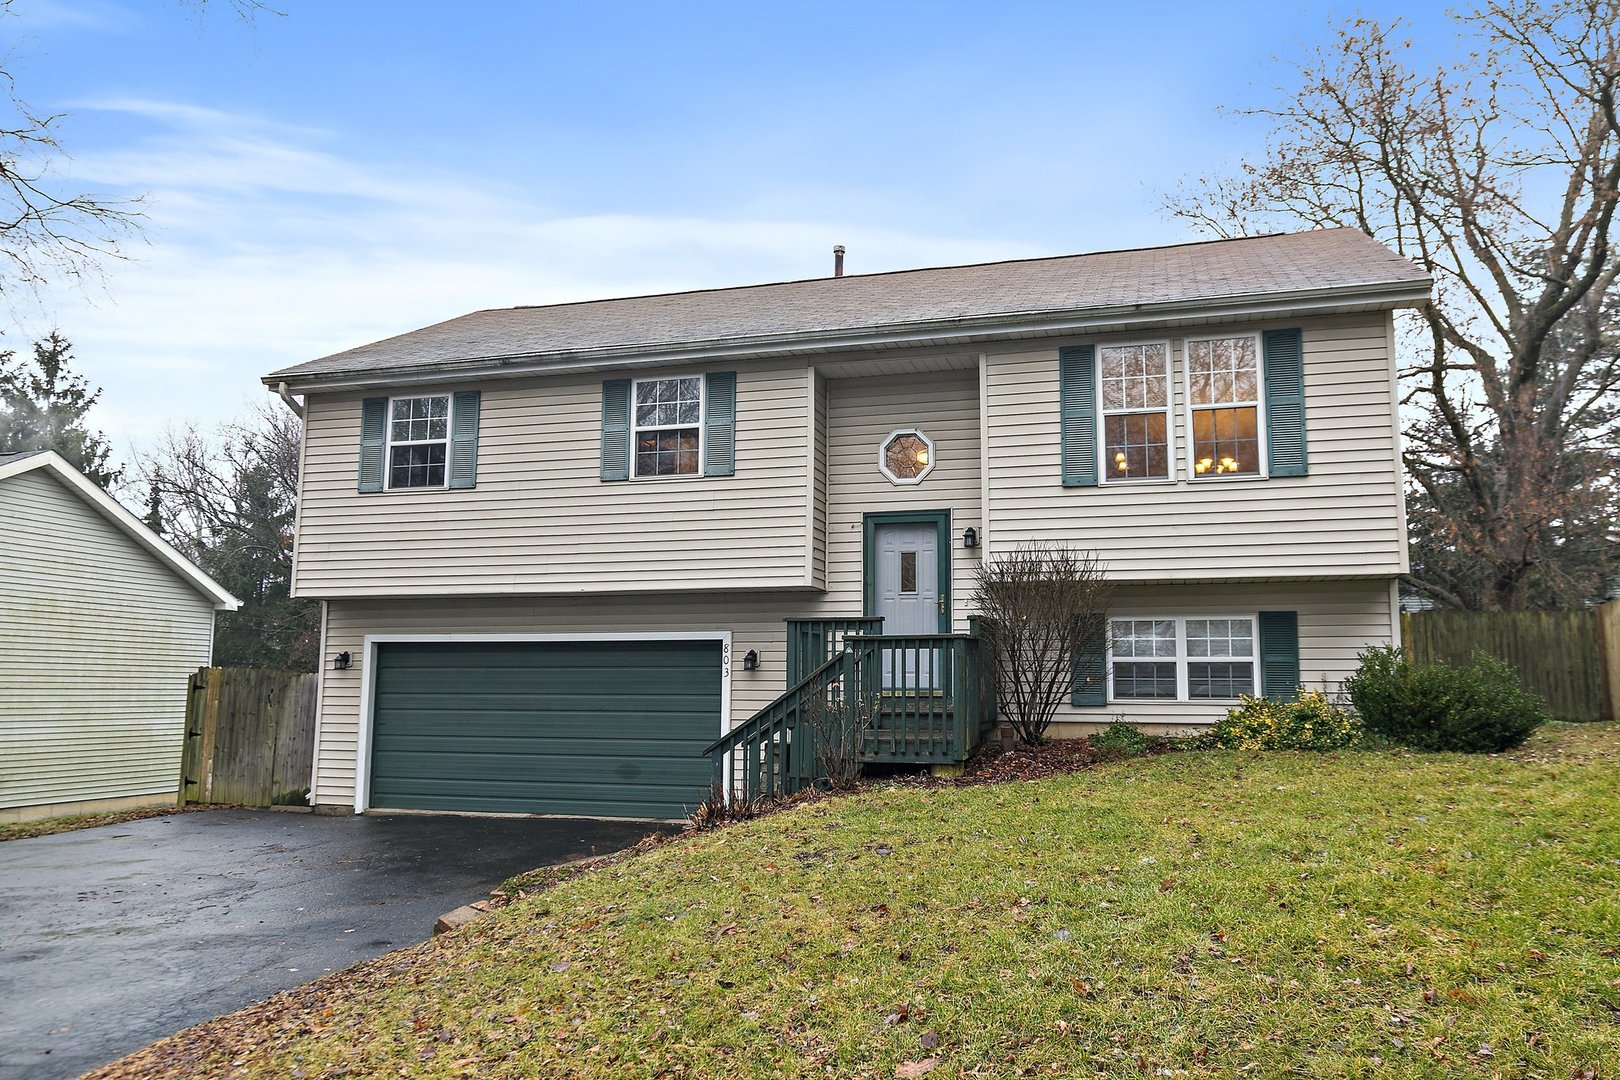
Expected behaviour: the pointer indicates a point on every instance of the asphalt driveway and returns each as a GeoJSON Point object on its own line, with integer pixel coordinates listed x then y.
{"type": "Point", "coordinates": [113, 937]}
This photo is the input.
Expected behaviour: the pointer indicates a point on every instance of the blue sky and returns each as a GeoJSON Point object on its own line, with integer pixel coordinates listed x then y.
{"type": "Point", "coordinates": [353, 170]}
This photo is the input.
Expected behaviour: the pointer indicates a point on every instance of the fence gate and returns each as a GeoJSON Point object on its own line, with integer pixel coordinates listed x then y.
{"type": "Point", "coordinates": [1570, 658]}
{"type": "Point", "coordinates": [250, 737]}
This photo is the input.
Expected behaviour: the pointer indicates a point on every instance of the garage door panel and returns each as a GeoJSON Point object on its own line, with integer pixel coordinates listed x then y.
{"type": "Point", "coordinates": [592, 728]}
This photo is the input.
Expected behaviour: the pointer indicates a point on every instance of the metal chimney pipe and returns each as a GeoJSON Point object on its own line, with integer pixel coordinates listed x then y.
{"type": "Point", "coordinates": [838, 260]}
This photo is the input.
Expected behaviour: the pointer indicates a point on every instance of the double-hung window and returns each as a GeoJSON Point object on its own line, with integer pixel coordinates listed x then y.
{"type": "Point", "coordinates": [667, 417]}
{"type": "Point", "coordinates": [1135, 381]}
{"type": "Point", "coordinates": [418, 441]}
{"type": "Point", "coordinates": [1223, 399]}
{"type": "Point", "coordinates": [1197, 658]}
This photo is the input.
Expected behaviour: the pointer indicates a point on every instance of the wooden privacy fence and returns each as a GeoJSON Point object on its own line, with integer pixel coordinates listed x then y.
{"type": "Point", "coordinates": [1570, 658]}
{"type": "Point", "coordinates": [250, 737]}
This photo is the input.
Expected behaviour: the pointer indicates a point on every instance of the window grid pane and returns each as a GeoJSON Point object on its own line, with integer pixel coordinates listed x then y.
{"type": "Point", "coordinates": [420, 419]}
{"type": "Point", "coordinates": [1220, 638]}
{"type": "Point", "coordinates": [1224, 371]}
{"type": "Point", "coordinates": [1135, 399]}
{"type": "Point", "coordinates": [420, 465]}
{"type": "Point", "coordinates": [1136, 680]}
{"type": "Point", "coordinates": [1219, 680]}
{"type": "Point", "coordinates": [1144, 637]}
{"type": "Point", "coordinates": [1136, 446]}
{"type": "Point", "coordinates": [670, 452]}
{"type": "Point", "coordinates": [1226, 441]}
{"type": "Point", "coordinates": [668, 402]}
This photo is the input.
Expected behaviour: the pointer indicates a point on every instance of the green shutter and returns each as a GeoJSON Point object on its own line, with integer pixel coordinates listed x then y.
{"type": "Point", "coordinates": [1285, 403]}
{"type": "Point", "coordinates": [1090, 670]}
{"type": "Point", "coordinates": [1077, 406]}
{"type": "Point", "coordinates": [373, 441]}
{"type": "Point", "coordinates": [464, 439]}
{"type": "Point", "coordinates": [720, 423]}
{"type": "Point", "coordinates": [1279, 655]}
{"type": "Point", "coordinates": [616, 429]}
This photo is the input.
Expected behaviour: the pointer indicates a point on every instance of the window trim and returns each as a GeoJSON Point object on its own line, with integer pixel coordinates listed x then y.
{"type": "Point", "coordinates": [389, 442]}
{"type": "Point", "coordinates": [883, 457]}
{"type": "Point", "coordinates": [1181, 658]}
{"type": "Point", "coordinates": [1264, 472]}
{"type": "Point", "coordinates": [1103, 477]}
{"type": "Point", "coordinates": [636, 429]}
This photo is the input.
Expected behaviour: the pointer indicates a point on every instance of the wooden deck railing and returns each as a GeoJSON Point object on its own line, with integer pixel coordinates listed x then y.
{"type": "Point", "coordinates": [900, 698]}
{"type": "Point", "coordinates": [812, 642]}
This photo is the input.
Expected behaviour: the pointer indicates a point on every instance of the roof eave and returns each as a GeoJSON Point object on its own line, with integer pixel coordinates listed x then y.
{"type": "Point", "coordinates": [966, 331]}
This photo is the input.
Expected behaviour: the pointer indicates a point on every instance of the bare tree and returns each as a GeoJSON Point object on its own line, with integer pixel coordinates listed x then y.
{"type": "Point", "coordinates": [48, 230]}
{"type": "Point", "coordinates": [1497, 174]}
{"type": "Point", "coordinates": [227, 499]}
{"type": "Point", "coordinates": [1039, 606]}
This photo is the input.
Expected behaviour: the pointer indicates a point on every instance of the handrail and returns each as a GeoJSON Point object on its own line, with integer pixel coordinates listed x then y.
{"type": "Point", "coordinates": [748, 727]}
{"type": "Point", "coordinates": [912, 698]}
{"type": "Point", "coordinates": [812, 642]}
{"type": "Point", "coordinates": [773, 755]}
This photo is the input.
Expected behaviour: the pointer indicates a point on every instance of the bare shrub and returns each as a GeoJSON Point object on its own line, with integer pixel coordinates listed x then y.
{"type": "Point", "coordinates": [1038, 605]}
{"type": "Point", "coordinates": [839, 732]}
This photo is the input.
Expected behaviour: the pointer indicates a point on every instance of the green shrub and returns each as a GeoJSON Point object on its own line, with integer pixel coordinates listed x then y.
{"type": "Point", "coordinates": [1309, 723]}
{"type": "Point", "coordinates": [1126, 740]}
{"type": "Point", "coordinates": [1479, 709]}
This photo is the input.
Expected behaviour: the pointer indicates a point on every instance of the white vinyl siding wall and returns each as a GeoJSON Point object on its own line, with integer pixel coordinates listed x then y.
{"type": "Point", "coordinates": [97, 641]}
{"type": "Point", "coordinates": [1337, 619]}
{"type": "Point", "coordinates": [541, 520]}
{"type": "Point", "coordinates": [1342, 520]}
{"type": "Point", "coordinates": [860, 415]}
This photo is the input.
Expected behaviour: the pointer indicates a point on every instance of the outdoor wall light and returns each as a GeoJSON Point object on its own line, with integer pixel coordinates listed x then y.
{"type": "Point", "coordinates": [341, 662]}
{"type": "Point", "coordinates": [970, 538]}
{"type": "Point", "coordinates": [750, 660]}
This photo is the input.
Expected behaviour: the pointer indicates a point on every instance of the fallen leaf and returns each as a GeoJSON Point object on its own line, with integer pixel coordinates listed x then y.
{"type": "Point", "coordinates": [929, 1040]}
{"type": "Point", "coordinates": [908, 1070]}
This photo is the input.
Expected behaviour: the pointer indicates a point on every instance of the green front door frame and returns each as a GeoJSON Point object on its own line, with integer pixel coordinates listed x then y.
{"type": "Point", "coordinates": [941, 520]}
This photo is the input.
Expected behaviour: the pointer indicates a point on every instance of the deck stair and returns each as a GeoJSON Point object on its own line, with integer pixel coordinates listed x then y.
{"type": "Point", "coordinates": [904, 699]}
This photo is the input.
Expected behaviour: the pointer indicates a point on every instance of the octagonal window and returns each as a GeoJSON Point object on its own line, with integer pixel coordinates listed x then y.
{"type": "Point", "coordinates": [906, 456]}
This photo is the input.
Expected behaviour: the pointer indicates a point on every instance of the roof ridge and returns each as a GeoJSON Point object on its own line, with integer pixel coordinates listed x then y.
{"type": "Point", "coordinates": [909, 270]}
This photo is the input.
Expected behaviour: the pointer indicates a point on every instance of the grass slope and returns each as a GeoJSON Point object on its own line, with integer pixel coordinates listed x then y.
{"type": "Point", "coordinates": [1351, 914]}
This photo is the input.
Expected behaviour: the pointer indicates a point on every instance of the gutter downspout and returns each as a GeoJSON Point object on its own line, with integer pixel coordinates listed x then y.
{"type": "Point", "coordinates": [292, 403]}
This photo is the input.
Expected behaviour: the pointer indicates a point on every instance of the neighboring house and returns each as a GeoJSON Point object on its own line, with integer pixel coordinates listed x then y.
{"type": "Point", "coordinates": [552, 541]}
{"type": "Point", "coordinates": [101, 625]}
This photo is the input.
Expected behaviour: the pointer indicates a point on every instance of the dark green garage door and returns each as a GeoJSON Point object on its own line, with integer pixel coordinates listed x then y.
{"type": "Point", "coordinates": [609, 728]}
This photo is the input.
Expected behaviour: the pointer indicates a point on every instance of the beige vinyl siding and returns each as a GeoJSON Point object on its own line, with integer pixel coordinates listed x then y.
{"type": "Point", "coordinates": [755, 622]}
{"type": "Point", "coordinates": [818, 483]}
{"type": "Point", "coordinates": [860, 414]}
{"type": "Point", "coordinates": [1344, 519]}
{"type": "Point", "coordinates": [541, 520]}
{"type": "Point", "coordinates": [97, 640]}
{"type": "Point", "coordinates": [1337, 619]}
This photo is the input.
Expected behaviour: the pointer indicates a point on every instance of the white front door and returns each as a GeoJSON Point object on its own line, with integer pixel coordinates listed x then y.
{"type": "Point", "coordinates": [907, 591]}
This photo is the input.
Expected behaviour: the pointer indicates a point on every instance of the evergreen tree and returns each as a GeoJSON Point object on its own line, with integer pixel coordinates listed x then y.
{"type": "Point", "coordinates": [43, 406]}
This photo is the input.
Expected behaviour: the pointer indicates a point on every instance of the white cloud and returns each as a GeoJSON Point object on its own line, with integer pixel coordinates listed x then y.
{"type": "Point", "coordinates": [94, 15]}
{"type": "Point", "coordinates": [265, 246]}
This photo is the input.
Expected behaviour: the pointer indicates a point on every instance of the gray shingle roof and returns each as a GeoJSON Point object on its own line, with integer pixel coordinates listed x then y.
{"type": "Point", "coordinates": [7, 459]}
{"type": "Point", "coordinates": [952, 295]}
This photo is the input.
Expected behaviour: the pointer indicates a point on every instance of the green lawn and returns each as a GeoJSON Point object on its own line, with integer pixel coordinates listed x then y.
{"type": "Point", "coordinates": [1201, 913]}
